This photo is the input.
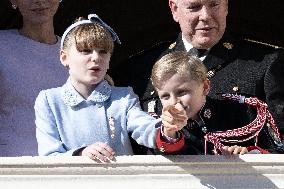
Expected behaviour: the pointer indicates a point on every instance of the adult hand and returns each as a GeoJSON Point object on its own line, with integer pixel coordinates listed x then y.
{"type": "Point", "coordinates": [99, 151]}
{"type": "Point", "coordinates": [230, 150]}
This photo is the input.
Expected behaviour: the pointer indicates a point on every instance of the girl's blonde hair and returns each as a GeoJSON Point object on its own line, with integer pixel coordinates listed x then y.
{"type": "Point", "coordinates": [89, 36]}
{"type": "Point", "coordinates": [180, 63]}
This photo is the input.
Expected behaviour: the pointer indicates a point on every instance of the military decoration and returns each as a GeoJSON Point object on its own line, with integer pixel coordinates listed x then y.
{"type": "Point", "coordinates": [210, 73]}
{"type": "Point", "coordinates": [111, 127]}
{"type": "Point", "coordinates": [204, 129]}
{"type": "Point", "coordinates": [172, 45]}
{"type": "Point", "coordinates": [228, 46]}
{"type": "Point", "coordinates": [207, 113]}
{"type": "Point", "coordinates": [236, 88]}
{"type": "Point", "coordinates": [151, 106]}
{"type": "Point", "coordinates": [162, 149]}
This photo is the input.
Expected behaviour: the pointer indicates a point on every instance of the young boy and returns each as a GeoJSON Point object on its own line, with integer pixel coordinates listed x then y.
{"type": "Point", "coordinates": [214, 126]}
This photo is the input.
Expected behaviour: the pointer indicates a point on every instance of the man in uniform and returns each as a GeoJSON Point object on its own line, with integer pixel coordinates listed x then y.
{"type": "Point", "coordinates": [234, 65]}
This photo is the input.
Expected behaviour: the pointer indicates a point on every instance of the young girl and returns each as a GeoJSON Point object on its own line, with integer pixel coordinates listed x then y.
{"type": "Point", "coordinates": [182, 84]}
{"type": "Point", "coordinates": [87, 116]}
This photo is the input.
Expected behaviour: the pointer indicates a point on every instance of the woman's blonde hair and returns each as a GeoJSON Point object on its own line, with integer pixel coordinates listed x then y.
{"type": "Point", "coordinates": [180, 63]}
{"type": "Point", "coordinates": [89, 36]}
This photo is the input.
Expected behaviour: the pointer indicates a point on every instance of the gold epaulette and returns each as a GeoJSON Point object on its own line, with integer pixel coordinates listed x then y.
{"type": "Point", "coordinates": [262, 43]}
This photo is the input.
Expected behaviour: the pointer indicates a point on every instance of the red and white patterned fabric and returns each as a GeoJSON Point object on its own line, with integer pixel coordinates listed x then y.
{"type": "Point", "coordinates": [246, 132]}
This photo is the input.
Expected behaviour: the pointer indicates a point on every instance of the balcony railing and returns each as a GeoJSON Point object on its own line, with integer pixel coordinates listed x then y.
{"type": "Point", "coordinates": [247, 171]}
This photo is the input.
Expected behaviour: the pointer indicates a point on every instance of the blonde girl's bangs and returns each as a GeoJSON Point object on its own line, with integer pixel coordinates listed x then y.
{"type": "Point", "coordinates": [90, 36]}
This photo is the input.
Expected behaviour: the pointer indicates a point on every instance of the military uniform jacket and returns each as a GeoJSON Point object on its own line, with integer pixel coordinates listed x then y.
{"type": "Point", "coordinates": [234, 65]}
{"type": "Point", "coordinates": [221, 115]}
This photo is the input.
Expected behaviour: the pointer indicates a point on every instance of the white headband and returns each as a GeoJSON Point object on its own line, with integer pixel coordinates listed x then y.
{"type": "Point", "coordinates": [92, 18]}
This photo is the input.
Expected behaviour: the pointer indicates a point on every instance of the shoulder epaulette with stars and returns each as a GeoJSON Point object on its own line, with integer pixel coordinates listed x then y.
{"type": "Point", "coordinates": [211, 73]}
{"type": "Point", "coordinates": [228, 46]}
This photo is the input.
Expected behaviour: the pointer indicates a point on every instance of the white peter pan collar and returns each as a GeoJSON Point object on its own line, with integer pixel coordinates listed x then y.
{"type": "Point", "coordinates": [72, 98]}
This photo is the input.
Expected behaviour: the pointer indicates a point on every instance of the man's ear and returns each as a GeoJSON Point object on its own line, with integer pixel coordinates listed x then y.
{"type": "Point", "coordinates": [227, 7]}
{"type": "Point", "coordinates": [173, 7]}
{"type": "Point", "coordinates": [63, 58]}
{"type": "Point", "coordinates": [206, 87]}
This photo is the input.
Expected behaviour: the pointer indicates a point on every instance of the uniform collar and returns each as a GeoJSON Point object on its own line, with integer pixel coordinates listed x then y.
{"type": "Point", "coordinates": [72, 98]}
{"type": "Point", "coordinates": [199, 121]}
{"type": "Point", "coordinates": [189, 46]}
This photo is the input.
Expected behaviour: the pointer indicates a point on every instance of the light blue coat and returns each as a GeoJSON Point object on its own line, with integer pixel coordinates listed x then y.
{"type": "Point", "coordinates": [65, 121]}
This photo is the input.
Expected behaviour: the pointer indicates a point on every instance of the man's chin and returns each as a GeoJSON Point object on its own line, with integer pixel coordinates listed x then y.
{"type": "Point", "coordinates": [205, 43]}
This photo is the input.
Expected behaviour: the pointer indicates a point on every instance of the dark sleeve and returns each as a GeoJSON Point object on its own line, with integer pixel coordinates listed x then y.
{"type": "Point", "coordinates": [268, 140]}
{"type": "Point", "coordinates": [274, 89]}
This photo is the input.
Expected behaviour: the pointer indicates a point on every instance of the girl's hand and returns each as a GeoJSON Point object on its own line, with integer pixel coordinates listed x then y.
{"type": "Point", "coordinates": [229, 150]}
{"type": "Point", "coordinates": [174, 118]}
{"type": "Point", "coordinates": [98, 151]}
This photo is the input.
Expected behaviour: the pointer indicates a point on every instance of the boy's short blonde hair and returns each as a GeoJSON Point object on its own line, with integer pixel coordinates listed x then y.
{"type": "Point", "coordinates": [178, 62]}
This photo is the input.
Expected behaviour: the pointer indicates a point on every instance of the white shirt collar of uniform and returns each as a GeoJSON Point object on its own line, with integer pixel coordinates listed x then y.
{"type": "Point", "coordinates": [72, 98]}
{"type": "Point", "coordinates": [188, 46]}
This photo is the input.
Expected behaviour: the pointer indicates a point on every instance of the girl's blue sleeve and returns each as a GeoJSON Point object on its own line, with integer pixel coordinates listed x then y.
{"type": "Point", "coordinates": [47, 135]}
{"type": "Point", "coordinates": [142, 125]}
